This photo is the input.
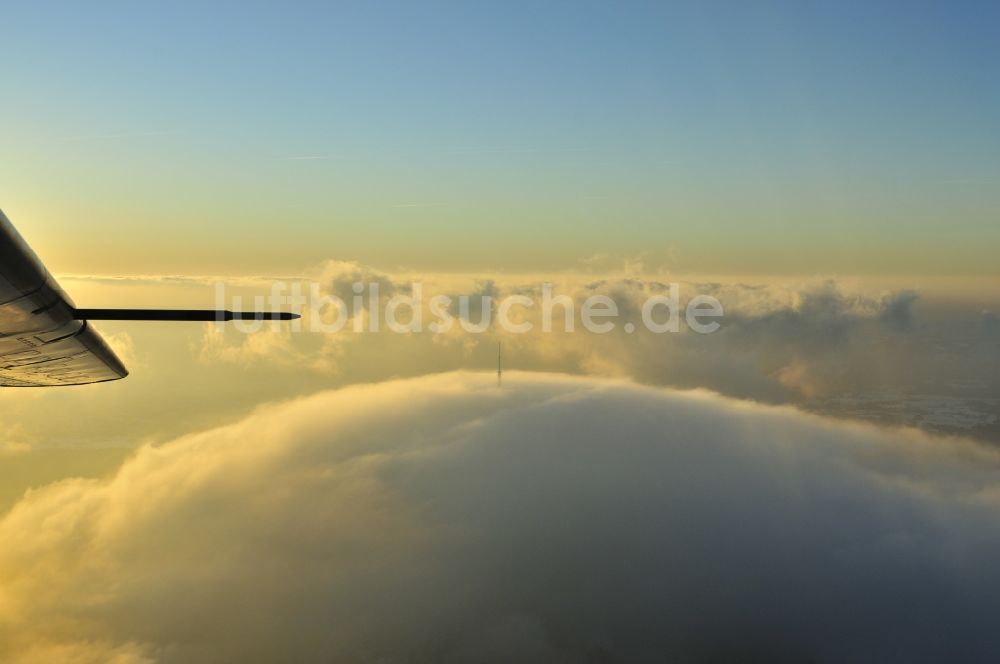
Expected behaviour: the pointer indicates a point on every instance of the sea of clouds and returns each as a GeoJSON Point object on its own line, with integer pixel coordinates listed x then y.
{"type": "Point", "coordinates": [555, 518]}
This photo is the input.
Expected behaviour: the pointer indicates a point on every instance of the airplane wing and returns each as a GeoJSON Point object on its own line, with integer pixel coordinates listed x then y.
{"type": "Point", "coordinates": [42, 341]}
{"type": "Point", "coordinates": [45, 340]}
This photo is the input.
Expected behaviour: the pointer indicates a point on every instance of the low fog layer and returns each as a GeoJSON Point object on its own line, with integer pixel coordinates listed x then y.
{"type": "Point", "coordinates": [553, 519]}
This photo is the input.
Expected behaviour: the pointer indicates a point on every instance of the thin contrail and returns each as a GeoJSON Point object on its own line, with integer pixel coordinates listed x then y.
{"type": "Point", "coordinates": [305, 157]}
{"type": "Point", "coordinates": [139, 134]}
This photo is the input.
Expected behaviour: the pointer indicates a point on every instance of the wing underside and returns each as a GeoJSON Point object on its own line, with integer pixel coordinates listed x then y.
{"type": "Point", "coordinates": [47, 358]}
{"type": "Point", "coordinates": [41, 342]}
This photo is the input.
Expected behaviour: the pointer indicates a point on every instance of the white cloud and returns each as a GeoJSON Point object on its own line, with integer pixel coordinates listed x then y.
{"type": "Point", "coordinates": [556, 519]}
{"type": "Point", "coordinates": [270, 344]}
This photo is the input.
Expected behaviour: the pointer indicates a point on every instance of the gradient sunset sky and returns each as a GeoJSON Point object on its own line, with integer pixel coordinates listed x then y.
{"type": "Point", "coordinates": [815, 480]}
{"type": "Point", "coordinates": [719, 137]}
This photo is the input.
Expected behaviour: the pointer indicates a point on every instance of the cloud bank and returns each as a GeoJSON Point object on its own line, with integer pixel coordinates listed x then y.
{"type": "Point", "coordinates": [554, 519]}
{"type": "Point", "coordinates": [776, 343]}
{"type": "Point", "coordinates": [841, 348]}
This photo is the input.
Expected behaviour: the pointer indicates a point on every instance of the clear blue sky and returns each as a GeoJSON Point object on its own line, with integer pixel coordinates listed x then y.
{"type": "Point", "coordinates": [738, 135]}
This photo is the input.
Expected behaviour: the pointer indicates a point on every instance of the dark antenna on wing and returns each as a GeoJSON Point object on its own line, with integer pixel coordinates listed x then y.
{"type": "Point", "coordinates": [180, 314]}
